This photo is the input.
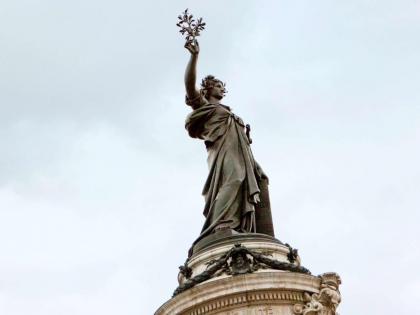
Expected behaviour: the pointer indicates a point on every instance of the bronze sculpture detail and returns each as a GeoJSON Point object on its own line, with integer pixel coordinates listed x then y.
{"type": "Point", "coordinates": [189, 26]}
{"type": "Point", "coordinates": [236, 193]}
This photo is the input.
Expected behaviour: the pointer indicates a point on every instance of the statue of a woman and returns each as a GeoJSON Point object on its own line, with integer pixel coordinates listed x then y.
{"type": "Point", "coordinates": [234, 184]}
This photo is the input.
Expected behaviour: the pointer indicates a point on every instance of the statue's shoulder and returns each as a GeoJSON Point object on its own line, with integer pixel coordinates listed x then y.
{"type": "Point", "coordinates": [226, 107]}
{"type": "Point", "coordinates": [204, 110]}
{"type": "Point", "coordinates": [196, 102]}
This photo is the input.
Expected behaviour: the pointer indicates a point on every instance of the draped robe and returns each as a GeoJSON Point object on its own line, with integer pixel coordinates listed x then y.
{"type": "Point", "coordinates": [231, 190]}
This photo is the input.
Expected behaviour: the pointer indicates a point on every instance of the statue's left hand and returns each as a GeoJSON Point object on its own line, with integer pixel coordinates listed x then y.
{"type": "Point", "coordinates": [264, 176]}
{"type": "Point", "coordinates": [261, 172]}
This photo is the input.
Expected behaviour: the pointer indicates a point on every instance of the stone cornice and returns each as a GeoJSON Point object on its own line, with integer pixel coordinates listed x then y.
{"type": "Point", "coordinates": [220, 288]}
{"type": "Point", "coordinates": [247, 298]}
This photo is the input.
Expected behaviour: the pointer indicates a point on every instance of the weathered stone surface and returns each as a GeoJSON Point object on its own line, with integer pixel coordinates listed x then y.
{"type": "Point", "coordinates": [326, 301]}
{"type": "Point", "coordinates": [276, 292]}
{"type": "Point", "coordinates": [265, 291]}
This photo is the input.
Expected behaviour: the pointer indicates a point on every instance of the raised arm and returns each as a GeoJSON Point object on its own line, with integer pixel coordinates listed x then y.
{"type": "Point", "coordinates": [191, 71]}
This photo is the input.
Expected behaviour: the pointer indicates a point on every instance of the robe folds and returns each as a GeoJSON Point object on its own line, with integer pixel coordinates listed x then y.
{"type": "Point", "coordinates": [231, 190]}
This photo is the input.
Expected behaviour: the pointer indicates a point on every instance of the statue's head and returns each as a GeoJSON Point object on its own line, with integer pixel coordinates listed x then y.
{"type": "Point", "coordinates": [210, 86]}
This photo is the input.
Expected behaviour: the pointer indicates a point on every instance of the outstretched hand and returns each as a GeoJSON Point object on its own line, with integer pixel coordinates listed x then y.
{"type": "Point", "coordinates": [193, 47]}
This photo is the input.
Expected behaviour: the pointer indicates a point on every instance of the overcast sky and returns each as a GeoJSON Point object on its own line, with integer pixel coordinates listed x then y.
{"type": "Point", "coordinates": [100, 185]}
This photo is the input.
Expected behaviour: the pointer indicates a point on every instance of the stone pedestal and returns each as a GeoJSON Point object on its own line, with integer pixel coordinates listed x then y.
{"type": "Point", "coordinates": [251, 274]}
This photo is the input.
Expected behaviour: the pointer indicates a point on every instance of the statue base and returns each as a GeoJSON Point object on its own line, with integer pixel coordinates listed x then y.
{"type": "Point", "coordinates": [250, 274]}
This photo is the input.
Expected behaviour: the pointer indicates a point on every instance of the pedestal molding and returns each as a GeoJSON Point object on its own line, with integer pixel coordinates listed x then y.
{"type": "Point", "coordinates": [255, 277]}
{"type": "Point", "coordinates": [246, 298]}
{"type": "Point", "coordinates": [275, 281]}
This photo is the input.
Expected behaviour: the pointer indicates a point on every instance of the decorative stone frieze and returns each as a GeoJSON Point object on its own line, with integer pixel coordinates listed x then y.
{"type": "Point", "coordinates": [238, 260]}
{"type": "Point", "coordinates": [251, 299]}
{"type": "Point", "coordinates": [202, 260]}
{"type": "Point", "coordinates": [244, 294]}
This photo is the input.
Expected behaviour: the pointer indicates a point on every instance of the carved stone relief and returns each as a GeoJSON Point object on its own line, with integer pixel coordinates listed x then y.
{"type": "Point", "coordinates": [326, 301]}
{"type": "Point", "coordinates": [238, 260]}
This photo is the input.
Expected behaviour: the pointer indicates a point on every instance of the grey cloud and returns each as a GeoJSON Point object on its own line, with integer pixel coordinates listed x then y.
{"type": "Point", "coordinates": [100, 184]}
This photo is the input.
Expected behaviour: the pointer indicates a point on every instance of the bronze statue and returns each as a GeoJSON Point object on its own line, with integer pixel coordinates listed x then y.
{"type": "Point", "coordinates": [236, 193]}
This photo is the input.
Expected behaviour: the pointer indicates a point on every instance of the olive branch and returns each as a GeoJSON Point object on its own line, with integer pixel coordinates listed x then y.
{"type": "Point", "coordinates": [190, 27]}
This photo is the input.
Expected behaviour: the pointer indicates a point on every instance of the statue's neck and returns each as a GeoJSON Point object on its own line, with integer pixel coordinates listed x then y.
{"type": "Point", "coordinates": [213, 100]}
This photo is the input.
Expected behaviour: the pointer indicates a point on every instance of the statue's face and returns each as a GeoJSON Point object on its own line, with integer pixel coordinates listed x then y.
{"type": "Point", "coordinates": [218, 90]}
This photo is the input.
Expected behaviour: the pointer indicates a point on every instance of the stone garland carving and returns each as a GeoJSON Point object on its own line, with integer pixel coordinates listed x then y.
{"type": "Point", "coordinates": [238, 260]}
{"type": "Point", "coordinates": [326, 301]}
{"type": "Point", "coordinates": [293, 253]}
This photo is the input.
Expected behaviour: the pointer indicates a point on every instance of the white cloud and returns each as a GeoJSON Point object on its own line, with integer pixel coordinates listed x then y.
{"type": "Point", "coordinates": [100, 184]}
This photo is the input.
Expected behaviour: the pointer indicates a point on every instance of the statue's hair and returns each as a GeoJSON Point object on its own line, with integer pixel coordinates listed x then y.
{"type": "Point", "coordinates": [209, 82]}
